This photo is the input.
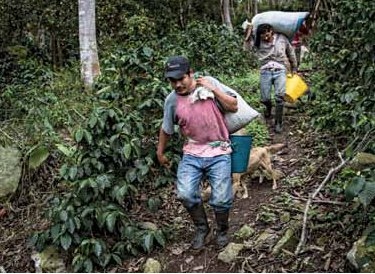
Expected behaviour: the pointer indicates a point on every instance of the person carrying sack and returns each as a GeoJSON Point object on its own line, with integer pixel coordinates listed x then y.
{"type": "Point", "coordinates": [273, 51]}
{"type": "Point", "coordinates": [206, 151]}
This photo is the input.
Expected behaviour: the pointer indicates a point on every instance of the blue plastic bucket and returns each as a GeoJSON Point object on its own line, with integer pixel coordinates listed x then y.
{"type": "Point", "coordinates": [241, 146]}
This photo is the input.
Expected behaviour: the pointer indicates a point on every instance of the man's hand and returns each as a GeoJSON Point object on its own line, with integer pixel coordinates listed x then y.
{"type": "Point", "coordinates": [204, 82]}
{"type": "Point", "coordinates": [164, 161]}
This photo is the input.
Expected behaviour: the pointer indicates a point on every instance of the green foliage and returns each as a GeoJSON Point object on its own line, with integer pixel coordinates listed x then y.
{"type": "Point", "coordinates": [113, 156]}
{"type": "Point", "coordinates": [248, 85]}
{"type": "Point", "coordinates": [362, 187]}
{"type": "Point", "coordinates": [259, 132]}
{"type": "Point", "coordinates": [111, 159]}
{"type": "Point", "coordinates": [39, 104]}
{"type": "Point", "coordinates": [211, 48]}
{"type": "Point", "coordinates": [345, 103]}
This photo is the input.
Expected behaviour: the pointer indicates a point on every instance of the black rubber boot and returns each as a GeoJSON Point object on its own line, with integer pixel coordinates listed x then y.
{"type": "Point", "coordinates": [279, 118]}
{"type": "Point", "coordinates": [198, 215]}
{"type": "Point", "coordinates": [222, 229]}
{"type": "Point", "coordinates": [268, 109]}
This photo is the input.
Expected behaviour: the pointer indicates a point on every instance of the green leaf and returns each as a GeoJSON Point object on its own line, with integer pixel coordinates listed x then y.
{"type": "Point", "coordinates": [55, 232]}
{"type": "Point", "coordinates": [63, 215]}
{"type": "Point", "coordinates": [98, 249]}
{"type": "Point", "coordinates": [77, 262]}
{"type": "Point", "coordinates": [147, 51]}
{"type": "Point", "coordinates": [131, 175]}
{"type": "Point", "coordinates": [37, 156]}
{"type": "Point", "coordinates": [65, 150]}
{"type": "Point", "coordinates": [77, 222]}
{"type": "Point", "coordinates": [354, 188]}
{"type": "Point", "coordinates": [78, 135]}
{"type": "Point", "coordinates": [144, 169]}
{"type": "Point", "coordinates": [117, 259]}
{"type": "Point", "coordinates": [127, 150]}
{"type": "Point", "coordinates": [111, 221]}
{"type": "Point", "coordinates": [71, 226]}
{"type": "Point", "coordinates": [73, 172]}
{"type": "Point", "coordinates": [367, 194]}
{"type": "Point", "coordinates": [87, 211]}
{"type": "Point", "coordinates": [92, 121]}
{"type": "Point", "coordinates": [87, 265]}
{"type": "Point", "coordinates": [65, 241]}
{"type": "Point", "coordinates": [34, 239]}
{"type": "Point", "coordinates": [107, 258]}
{"type": "Point", "coordinates": [88, 137]}
{"type": "Point", "coordinates": [370, 240]}
{"type": "Point", "coordinates": [111, 113]}
{"type": "Point", "coordinates": [148, 241]}
{"type": "Point", "coordinates": [160, 237]}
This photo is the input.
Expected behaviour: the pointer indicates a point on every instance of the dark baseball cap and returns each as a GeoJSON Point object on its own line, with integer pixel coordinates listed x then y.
{"type": "Point", "coordinates": [176, 67]}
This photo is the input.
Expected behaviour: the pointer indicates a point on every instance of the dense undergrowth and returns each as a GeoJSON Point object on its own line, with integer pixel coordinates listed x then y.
{"type": "Point", "coordinates": [105, 141]}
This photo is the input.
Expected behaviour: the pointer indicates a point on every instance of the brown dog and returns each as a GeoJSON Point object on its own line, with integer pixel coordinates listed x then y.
{"type": "Point", "coordinates": [260, 159]}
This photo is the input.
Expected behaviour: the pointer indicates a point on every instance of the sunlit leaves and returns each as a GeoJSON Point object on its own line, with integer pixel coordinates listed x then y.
{"type": "Point", "coordinates": [38, 155]}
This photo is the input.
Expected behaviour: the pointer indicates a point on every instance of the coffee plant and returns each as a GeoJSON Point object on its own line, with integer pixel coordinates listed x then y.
{"type": "Point", "coordinates": [346, 70]}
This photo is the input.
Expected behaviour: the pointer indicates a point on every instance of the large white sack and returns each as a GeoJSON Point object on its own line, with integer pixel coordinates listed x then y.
{"type": "Point", "coordinates": [233, 120]}
{"type": "Point", "coordinates": [285, 22]}
{"type": "Point", "coordinates": [244, 115]}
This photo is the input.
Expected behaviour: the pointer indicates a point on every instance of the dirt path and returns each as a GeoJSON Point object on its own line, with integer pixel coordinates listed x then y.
{"type": "Point", "coordinates": [244, 212]}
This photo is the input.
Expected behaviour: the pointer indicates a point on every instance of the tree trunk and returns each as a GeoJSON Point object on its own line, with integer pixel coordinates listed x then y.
{"type": "Point", "coordinates": [181, 15]}
{"type": "Point", "coordinates": [276, 4]}
{"type": "Point", "coordinates": [225, 5]}
{"type": "Point", "coordinates": [270, 4]}
{"type": "Point", "coordinates": [53, 50]}
{"type": "Point", "coordinates": [255, 6]}
{"type": "Point", "coordinates": [90, 68]}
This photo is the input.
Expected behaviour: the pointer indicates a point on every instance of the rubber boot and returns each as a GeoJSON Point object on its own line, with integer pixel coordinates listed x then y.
{"type": "Point", "coordinates": [198, 215]}
{"type": "Point", "coordinates": [279, 118]}
{"type": "Point", "coordinates": [222, 229]}
{"type": "Point", "coordinates": [268, 109]}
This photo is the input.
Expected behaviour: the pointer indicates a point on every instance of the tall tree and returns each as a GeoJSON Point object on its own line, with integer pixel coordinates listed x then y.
{"type": "Point", "coordinates": [255, 6]}
{"type": "Point", "coordinates": [225, 6]}
{"type": "Point", "coordinates": [87, 42]}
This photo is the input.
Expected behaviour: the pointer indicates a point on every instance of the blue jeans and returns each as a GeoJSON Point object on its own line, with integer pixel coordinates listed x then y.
{"type": "Point", "coordinates": [191, 170]}
{"type": "Point", "coordinates": [269, 78]}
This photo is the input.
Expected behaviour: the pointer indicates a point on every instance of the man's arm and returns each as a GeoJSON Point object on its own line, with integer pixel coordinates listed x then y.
{"type": "Point", "coordinates": [162, 144]}
{"type": "Point", "coordinates": [291, 56]}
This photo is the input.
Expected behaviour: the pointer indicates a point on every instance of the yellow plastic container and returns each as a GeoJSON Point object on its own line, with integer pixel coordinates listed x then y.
{"type": "Point", "coordinates": [295, 88]}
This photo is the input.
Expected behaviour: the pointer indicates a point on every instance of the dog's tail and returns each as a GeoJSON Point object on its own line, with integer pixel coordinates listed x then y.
{"type": "Point", "coordinates": [275, 147]}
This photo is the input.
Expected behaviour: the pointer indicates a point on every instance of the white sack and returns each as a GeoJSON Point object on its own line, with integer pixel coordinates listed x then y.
{"type": "Point", "coordinates": [285, 22]}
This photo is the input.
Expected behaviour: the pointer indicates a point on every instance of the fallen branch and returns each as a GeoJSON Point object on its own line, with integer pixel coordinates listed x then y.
{"type": "Point", "coordinates": [360, 147]}
{"type": "Point", "coordinates": [318, 201]}
{"type": "Point", "coordinates": [311, 197]}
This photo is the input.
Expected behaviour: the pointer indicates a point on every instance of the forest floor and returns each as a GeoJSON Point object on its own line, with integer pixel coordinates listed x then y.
{"type": "Point", "coordinates": [262, 210]}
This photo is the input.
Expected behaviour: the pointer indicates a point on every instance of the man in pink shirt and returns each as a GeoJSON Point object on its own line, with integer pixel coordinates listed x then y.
{"type": "Point", "coordinates": [206, 150]}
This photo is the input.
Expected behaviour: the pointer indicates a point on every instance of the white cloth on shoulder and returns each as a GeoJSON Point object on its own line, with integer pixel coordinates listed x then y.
{"type": "Point", "coordinates": [201, 93]}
